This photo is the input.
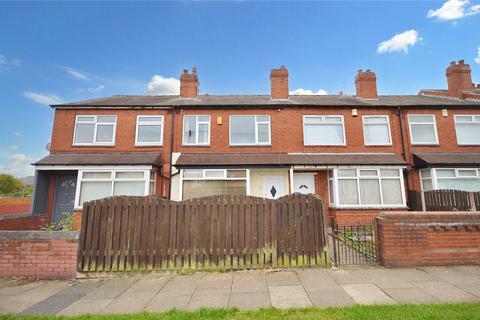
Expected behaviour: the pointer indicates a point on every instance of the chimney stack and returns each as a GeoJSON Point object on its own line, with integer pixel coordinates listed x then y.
{"type": "Point", "coordinates": [366, 84]}
{"type": "Point", "coordinates": [189, 85]}
{"type": "Point", "coordinates": [459, 78]}
{"type": "Point", "coordinates": [279, 83]}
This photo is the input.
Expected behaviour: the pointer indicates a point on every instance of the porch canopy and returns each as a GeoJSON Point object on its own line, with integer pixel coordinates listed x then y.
{"type": "Point", "coordinates": [186, 160]}
{"type": "Point", "coordinates": [100, 159]}
{"type": "Point", "coordinates": [446, 159]}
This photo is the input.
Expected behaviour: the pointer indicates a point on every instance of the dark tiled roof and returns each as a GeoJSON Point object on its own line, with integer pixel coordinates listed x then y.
{"type": "Point", "coordinates": [451, 159]}
{"type": "Point", "coordinates": [138, 158]}
{"type": "Point", "coordinates": [264, 100]}
{"type": "Point", "coordinates": [278, 159]}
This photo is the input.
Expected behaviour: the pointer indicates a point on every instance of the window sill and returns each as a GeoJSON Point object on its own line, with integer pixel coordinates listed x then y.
{"type": "Point", "coordinates": [369, 208]}
{"type": "Point", "coordinates": [469, 145]}
{"type": "Point", "coordinates": [325, 145]}
{"type": "Point", "coordinates": [249, 145]}
{"type": "Point", "coordinates": [148, 145]}
{"type": "Point", "coordinates": [195, 145]}
{"type": "Point", "coordinates": [93, 145]}
{"type": "Point", "coordinates": [378, 145]}
{"type": "Point", "coordinates": [425, 145]}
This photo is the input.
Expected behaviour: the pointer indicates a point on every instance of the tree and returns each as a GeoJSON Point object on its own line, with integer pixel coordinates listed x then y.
{"type": "Point", "coordinates": [10, 184]}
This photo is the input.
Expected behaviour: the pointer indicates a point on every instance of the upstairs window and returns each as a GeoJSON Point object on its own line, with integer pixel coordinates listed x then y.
{"type": "Point", "coordinates": [323, 130]}
{"type": "Point", "coordinates": [468, 130]}
{"type": "Point", "coordinates": [95, 130]}
{"type": "Point", "coordinates": [196, 130]}
{"type": "Point", "coordinates": [149, 131]}
{"type": "Point", "coordinates": [376, 131]}
{"type": "Point", "coordinates": [250, 130]}
{"type": "Point", "coordinates": [423, 129]}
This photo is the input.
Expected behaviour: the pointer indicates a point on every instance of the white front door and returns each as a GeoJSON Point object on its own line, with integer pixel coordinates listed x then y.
{"type": "Point", "coordinates": [273, 187]}
{"type": "Point", "coordinates": [304, 183]}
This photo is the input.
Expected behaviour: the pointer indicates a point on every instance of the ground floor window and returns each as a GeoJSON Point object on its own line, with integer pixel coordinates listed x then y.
{"type": "Point", "coordinates": [198, 183]}
{"type": "Point", "coordinates": [97, 184]}
{"type": "Point", "coordinates": [465, 179]}
{"type": "Point", "coordinates": [366, 187]}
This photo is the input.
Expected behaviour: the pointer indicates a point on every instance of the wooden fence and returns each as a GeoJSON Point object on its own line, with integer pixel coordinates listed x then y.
{"type": "Point", "coordinates": [221, 232]}
{"type": "Point", "coordinates": [444, 200]}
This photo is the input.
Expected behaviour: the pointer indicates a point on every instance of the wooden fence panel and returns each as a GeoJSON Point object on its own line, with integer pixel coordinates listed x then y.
{"type": "Point", "coordinates": [220, 232]}
{"type": "Point", "coordinates": [443, 200]}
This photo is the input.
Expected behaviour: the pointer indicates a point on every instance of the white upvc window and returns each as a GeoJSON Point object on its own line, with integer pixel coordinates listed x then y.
{"type": "Point", "coordinates": [95, 130]}
{"type": "Point", "coordinates": [367, 188]}
{"type": "Point", "coordinates": [149, 130]}
{"type": "Point", "coordinates": [196, 130]}
{"type": "Point", "coordinates": [323, 130]}
{"type": "Point", "coordinates": [467, 128]}
{"type": "Point", "coordinates": [101, 183]}
{"type": "Point", "coordinates": [423, 129]}
{"type": "Point", "coordinates": [376, 130]}
{"type": "Point", "coordinates": [250, 130]}
{"type": "Point", "coordinates": [196, 183]}
{"type": "Point", "coordinates": [465, 179]}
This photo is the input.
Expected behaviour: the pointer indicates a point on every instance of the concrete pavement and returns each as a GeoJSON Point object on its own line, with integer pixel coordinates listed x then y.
{"type": "Point", "coordinates": [243, 289]}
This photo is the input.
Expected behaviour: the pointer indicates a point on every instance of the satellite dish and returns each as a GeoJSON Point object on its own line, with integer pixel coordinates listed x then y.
{"type": "Point", "coordinates": [47, 146]}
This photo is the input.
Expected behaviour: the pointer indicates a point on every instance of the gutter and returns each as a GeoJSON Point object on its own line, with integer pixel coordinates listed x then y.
{"type": "Point", "coordinates": [172, 135]}
{"type": "Point", "coordinates": [404, 146]}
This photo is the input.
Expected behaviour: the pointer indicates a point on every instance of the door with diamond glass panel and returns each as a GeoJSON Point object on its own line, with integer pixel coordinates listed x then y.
{"type": "Point", "coordinates": [273, 187]}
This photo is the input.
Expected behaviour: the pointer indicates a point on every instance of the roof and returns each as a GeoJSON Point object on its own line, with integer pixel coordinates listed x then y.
{"type": "Point", "coordinates": [279, 159]}
{"type": "Point", "coordinates": [264, 100]}
{"type": "Point", "coordinates": [139, 158]}
{"type": "Point", "coordinates": [446, 159]}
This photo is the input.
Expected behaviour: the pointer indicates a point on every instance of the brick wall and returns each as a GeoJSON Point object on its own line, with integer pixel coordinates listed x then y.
{"type": "Point", "coordinates": [411, 239]}
{"type": "Point", "coordinates": [15, 205]}
{"type": "Point", "coordinates": [38, 254]}
{"type": "Point", "coordinates": [23, 221]}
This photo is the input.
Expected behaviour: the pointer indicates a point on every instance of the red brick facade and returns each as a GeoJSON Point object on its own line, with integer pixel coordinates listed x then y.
{"type": "Point", "coordinates": [411, 239]}
{"type": "Point", "coordinates": [37, 254]}
{"type": "Point", "coordinates": [24, 221]}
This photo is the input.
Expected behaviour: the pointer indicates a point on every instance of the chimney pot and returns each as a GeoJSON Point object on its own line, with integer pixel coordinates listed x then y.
{"type": "Point", "coordinates": [189, 85]}
{"type": "Point", "coordinates": [279, 83]}
{"type": "Point", "coordinates": [366, 84]}
{"type": "Point", "coordinates": [459, 78]}
{"type": "Point", "coordinates": [461, 61]}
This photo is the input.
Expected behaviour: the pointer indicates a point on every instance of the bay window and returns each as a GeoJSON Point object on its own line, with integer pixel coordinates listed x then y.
{"type": "Point", "coordinates": [323, 130]}
{"type": "Point", "coordinates": [94, 130]}
{"type": "Point", "coordinates": [467, 129]}
{"type": "Point", "coordinates": [196, 130]}
{"type": "Point", "coordinates": [98, 184]}
{"type": "Point", "coordinates": [149, 131]}
{"type": "Point", "coordinates": [376, 130]}
{"type": "Point", "coordinates": [198, 183]}
{"type": "Point", "coordinates": [250, 130]}
{"type": "Point", "coordinates": [423, 129]}
{"type": "Point", "coordinates": [374, 187]}
{"type": "Point", "coordinates": [465, 179]}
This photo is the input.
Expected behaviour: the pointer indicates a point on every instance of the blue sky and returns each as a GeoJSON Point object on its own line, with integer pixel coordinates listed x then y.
{"type": "Point", "coordinates": [53, 52]}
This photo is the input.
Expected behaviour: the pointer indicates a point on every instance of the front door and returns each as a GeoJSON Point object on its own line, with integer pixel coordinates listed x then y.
{"type": "Point", "coordinates": [304, 183]}
{"type": "Point", "coordinates": [273, 187]}
{"type": "Point", "coordinates": [64, 196]}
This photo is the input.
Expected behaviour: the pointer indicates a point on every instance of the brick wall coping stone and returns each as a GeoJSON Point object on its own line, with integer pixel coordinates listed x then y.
{"type": "Point", "coordinates": [38, 235]}
{"type": "Point", "coordinates": [421, 215]}
{"type": "Point", "coordinates": [15, 216]}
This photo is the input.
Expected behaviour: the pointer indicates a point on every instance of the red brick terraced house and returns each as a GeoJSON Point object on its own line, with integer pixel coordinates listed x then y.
{"type": "Point", "coordinates": [360, 153]}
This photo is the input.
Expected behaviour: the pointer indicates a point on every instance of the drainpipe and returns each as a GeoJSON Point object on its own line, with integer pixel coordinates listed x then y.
{"type": "Point", "coordinates": [172, 130]}
{"type": "Point", "coordinates": [404, 146]}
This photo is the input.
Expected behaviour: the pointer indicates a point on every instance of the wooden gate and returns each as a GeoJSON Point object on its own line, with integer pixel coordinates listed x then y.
{"type": "Point", "coordinates": [221, 232]}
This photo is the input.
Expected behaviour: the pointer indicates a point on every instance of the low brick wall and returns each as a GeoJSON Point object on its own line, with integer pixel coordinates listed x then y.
{"type": "Point", "coordinates": [411, 239]}
{"type": "Point", "coordinates": [15, 205]}
{"type": "Point", "coordinates": [38, 254]}
{"type": "Point", "coordinates": [23, 221]}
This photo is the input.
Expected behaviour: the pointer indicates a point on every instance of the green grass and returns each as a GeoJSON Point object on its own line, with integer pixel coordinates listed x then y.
{"type": "Point", "coordinates": [427, 311]}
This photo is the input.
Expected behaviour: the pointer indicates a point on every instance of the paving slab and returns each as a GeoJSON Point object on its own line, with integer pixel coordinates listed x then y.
{"type": "Point", "coordinates": [249, 283]}
{"type": "Point", "coordinates": [288, 296]}
{"type": "Point", "coordinates": [85, 306]}
{"type": "Point", "coordinates": [386, 279]}
{"type": "Point", "coordinates": [410, 295]}
{"type": "Point", "coordinates": [453, 276]}
{"type": "Point", "coordinates": [163, 302]}
{"type": "Point", "coordinates": [216, 281]}
{"type": "Point", "coordinates": [367, 293]}
{"type": "Point", "coordinates": [110, 289]}
{"type": "Point", "coordinates": [210, 298]}
{"type": "Point", "coordinates": [349, 276]}
{"type": "Point", "coordinates": [130, 302]}
{"type": "Point", "coordinates": [328, 297]}
{"type": "Point", "coordinates": [182, 285]}
{"type": "Point", "coordinates": [471, 270]}
{"type": "Point", "coordinates": [249, 301]}
{"type": "Point", "coordinates": [17, 288]}
{"type": "Point", "coordinates": [283, 278]}
{"type": "Point", "coordinates": [149, 284]}
{"type": "Point", "coordinates": [413, 275]}
{"type": "Point", "coordinates": [446, 292]}
{"type": "Point", "coordinates": [316, 279]}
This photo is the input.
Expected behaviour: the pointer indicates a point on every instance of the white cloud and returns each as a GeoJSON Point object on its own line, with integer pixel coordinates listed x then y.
{"type": "Point", "coordinates": [43, 98]}
{"type": "Point", "coordinates": [307, 92]}
{"type": "Point", "coordinates": [399, 42]}
{"type": "Point", "coordinates": [453, 10]}
{"type": "Point", "coordinates": [17, 133]}
{"type": "Point", "coordinates": [5, 63]}
{"type": "Point", "coordinates": [77, 74]}
{"type": "Point", "coordinates": [91, 90]}
{"type": "Point", "coordinates": [477, 59]}
{"type": "Point", "coordinates": [161, 85]}
{"type": "Point", "coordinates": [18, 164]}
{"type": "Point", "coordinates": [3, 60]}
{"type": "Point", "coordinates": [13, 147]}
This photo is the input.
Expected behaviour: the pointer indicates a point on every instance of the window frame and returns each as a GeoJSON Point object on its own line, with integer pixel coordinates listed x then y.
{"type": "Point", "coordinates": [96, 124]}
{"type": "Point", "coordinates": [197, 123]}
{"type": "Point", "coordinates": [257, 123]}
{"type": "Point", "coordinates": [434, 176]}
{"type": "Point", "coordinates": [474, 121]}
{"type": "Point", "coordinates": [388, 127]}
{"type": "Point", "coordinates": [149, 123]}
{"type": "Point", "coordinates": [344, 143]}
{"type": "Point", "coordinates": [113, 171]}
{"type": "Point", "coordinates": [336, 193]}
{"type": "Point", "coordinates": [413, 143]}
